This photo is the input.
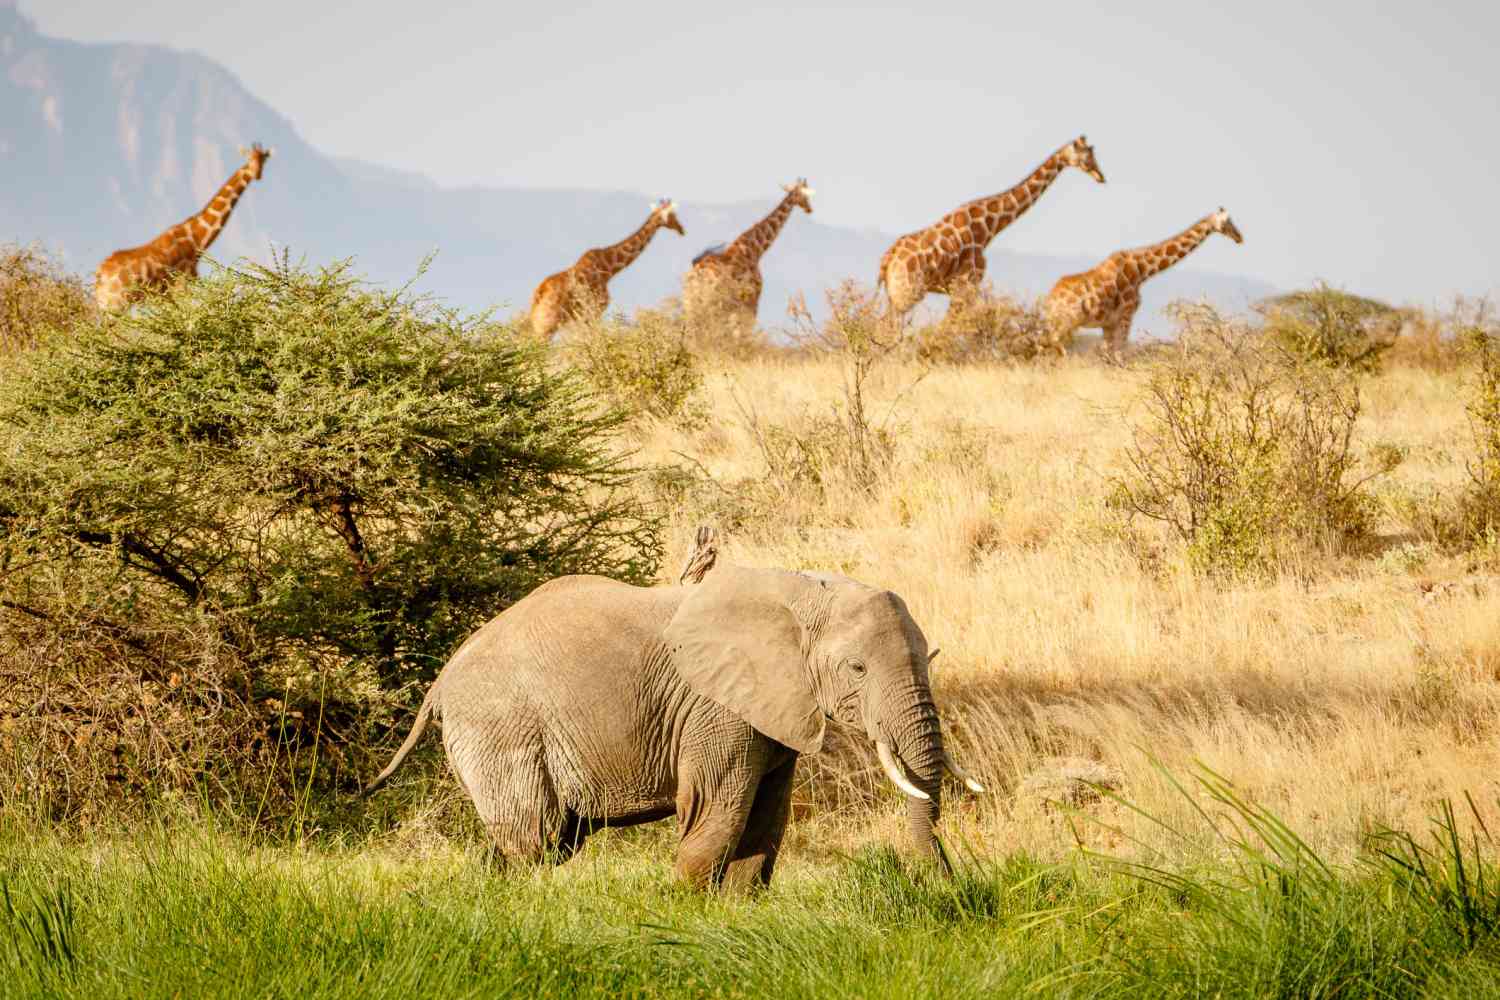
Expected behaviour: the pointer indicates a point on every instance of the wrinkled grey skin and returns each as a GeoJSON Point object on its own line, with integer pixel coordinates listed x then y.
{"type": "Point", "coordinates": [592, 703]}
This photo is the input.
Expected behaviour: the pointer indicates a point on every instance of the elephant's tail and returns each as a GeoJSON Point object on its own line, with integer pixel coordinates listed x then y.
{"type": "Point", "coordinates": [424, 715]}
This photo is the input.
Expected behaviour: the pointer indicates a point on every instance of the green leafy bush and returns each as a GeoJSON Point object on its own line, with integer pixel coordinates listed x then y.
{"type": "Point", "coordinates": [319, 468]}
{"type": "Point", "coordinates": [37, 295]}
{"type": "Point", "coordinates": [1333, 327]}
{"type": "Point", "coordinates": [1244, 450]}
{"type": "Point", "coordinates": [646, 366]}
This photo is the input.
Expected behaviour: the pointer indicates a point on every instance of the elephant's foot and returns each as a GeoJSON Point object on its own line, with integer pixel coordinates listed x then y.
{"type": "Point", "coordinates": [707, 846]}
{"type": "Point", "coordinates": [537, 842]}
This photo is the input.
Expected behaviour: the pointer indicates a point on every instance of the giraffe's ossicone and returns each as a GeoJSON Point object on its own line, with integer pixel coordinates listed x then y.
{"type": "Point", "coordinates": [724, 283]}
{"type": "Point", "coordinates": [1108, 296]}
{"type": "Point", "coordinates": [126, 275]}
{"type": "Point", "coordinates": [582, 291]}
{"type": "Point", "coordinates": [948, 256]}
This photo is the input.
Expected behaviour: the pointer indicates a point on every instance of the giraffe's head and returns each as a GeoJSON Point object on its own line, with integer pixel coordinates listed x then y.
{"type": "Point", "coordinates": [801, 193]}
{"type": "Point", "coordinates": [1080, 154]}
{"type": "Point", "coordinates": [665, 213]}
{"type": "Point", "coordinates": [255, 158]}
{"type": "Point", "coordinates": [1222, 223]}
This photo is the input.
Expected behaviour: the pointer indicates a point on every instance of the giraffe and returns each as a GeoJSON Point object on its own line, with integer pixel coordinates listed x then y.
{"type": "Point", "coordinates": [125, 275]}
{"type": "Point", "coordinates": [948, 256]}
{"type": "Point", "coordinates": [725, 281]}
{"type": "Point", "coordinates": [1108, 296]}
{"type": "Point", "coordinates": [582, 291]}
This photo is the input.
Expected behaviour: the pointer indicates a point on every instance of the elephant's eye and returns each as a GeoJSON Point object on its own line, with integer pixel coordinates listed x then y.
{"type": "Point", "coordinates": [857, 668]}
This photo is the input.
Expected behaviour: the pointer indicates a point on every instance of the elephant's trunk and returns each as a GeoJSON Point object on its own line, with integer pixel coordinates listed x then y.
{"type": "Point", "coordinates": [917, 752]}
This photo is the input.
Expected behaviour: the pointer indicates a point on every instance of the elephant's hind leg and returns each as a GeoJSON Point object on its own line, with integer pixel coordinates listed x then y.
{"type": "Point", "coordinates": [519, 807]}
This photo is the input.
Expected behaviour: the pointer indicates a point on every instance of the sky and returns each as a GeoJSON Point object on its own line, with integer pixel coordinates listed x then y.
{"type": "Point", "coordinates": [1353, 143]}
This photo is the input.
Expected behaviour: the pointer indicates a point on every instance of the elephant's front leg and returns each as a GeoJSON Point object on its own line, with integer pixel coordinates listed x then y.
{"type": "Point", "coordinates": [755, 858]}
{"type": "Point", "coordinates": [718, 785]}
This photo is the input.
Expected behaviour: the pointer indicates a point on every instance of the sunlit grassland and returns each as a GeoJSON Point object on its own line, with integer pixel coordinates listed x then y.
{"type": "Point", "coordinates": [1344, 691]}
{"type": "Point", "coordinates": [183, 911]}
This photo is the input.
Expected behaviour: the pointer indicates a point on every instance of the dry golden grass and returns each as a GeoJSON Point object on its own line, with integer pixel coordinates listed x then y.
{"type": "Point", "coordinates": [1345, 693]}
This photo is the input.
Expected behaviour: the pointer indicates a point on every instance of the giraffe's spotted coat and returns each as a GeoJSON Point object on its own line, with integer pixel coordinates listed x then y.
{"type": "Point", "coordinates": [948, 256]}
{"type": "Point", "coordinates": [1108, 296]}
{"type": "Point", "coordinates": [727, 282]}
{"type": "Point", "coordinates": [582, 291]}
{"type": "Point", "coordinates": [127, 274]}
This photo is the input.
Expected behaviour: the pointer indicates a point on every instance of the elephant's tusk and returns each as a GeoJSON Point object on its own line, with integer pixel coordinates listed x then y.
{"type": "Point", "coordinates": [893, 771]}
{"type": "Point", "coordinates": [961, 774]}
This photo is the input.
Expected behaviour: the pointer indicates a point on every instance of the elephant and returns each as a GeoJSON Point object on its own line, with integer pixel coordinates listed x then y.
{"type": "Point", "coordinates": [591, 703]}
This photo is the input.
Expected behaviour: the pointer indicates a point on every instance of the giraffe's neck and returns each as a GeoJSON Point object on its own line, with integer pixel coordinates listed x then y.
{"type": "Point", "coordinates": [206, 226]}
{"type": "Point", "coordinates": [619, 256]}
{"type": "Point", "coordinates": [1006, 207]}
{"type": "Point", "coordinates": [755, 241]}
{"type": "Point", "coordinates": [1157, 257]}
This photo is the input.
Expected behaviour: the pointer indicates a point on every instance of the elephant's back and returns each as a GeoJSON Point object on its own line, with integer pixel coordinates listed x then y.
{"type": "Point", "coordinates": [573, 631]}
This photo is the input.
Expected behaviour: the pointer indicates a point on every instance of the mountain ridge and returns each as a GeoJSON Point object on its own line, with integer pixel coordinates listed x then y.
{"type": "Point", "coordinates": [108, 144]}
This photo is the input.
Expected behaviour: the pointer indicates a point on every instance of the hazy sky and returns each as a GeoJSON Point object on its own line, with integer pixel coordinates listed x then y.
{"type": "Point", "coordinates": [1358, 143]}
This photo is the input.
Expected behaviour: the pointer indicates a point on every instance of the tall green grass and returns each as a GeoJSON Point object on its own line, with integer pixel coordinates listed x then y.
{"type": "Point", "coordinates": [183, 911]}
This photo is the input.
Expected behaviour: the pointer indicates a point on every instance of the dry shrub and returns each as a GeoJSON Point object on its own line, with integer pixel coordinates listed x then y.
{"type": "Point", "coordinates": [644, 366]}
{"type": "Point", "coordinates": [852, 442]}
{"type": "Point", "coordinates": [101, 720]}
{"type": "Point", "coordinates": [37, 295]}
{"type": "Point", "coordinates": [1427, 341]}
{"type": "Point", "coordinates": [1245, 451]}
{"type": "Point", "coordinates": [1479, 504]}
{"type": "Point", "coordinates": [986, 326]}
{"type": "Point", "coordinates": [723, 325]}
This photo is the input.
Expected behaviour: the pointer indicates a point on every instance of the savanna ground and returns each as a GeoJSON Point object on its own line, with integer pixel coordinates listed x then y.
{"type": "Point", "coordinates": [1277, 778]}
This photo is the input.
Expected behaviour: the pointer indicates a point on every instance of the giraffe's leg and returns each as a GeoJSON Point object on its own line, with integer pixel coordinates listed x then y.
{"type": "Point", "coordinates": [963, 286]}
{"type": "Point", "coordinates": [901, 285]}
{"type": "Point", "coordinates": [1061, 319]}
{"type": "Point", "coordinates": [1117, 329]}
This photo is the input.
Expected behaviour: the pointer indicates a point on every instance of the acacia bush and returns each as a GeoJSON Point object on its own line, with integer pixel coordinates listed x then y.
{"type": "Point", "coordinates": [1243, 449]}
{"type": "Point", "coordinates": [276, 494]}
{"type": "Point", "coordinates": [37, 295]}
{"type": "Point", "coordinates": [1333, 327]}
{"type": "Point", "coordinates": [644, 366]}
{"type": "Point", "coordinates": [987, 326]}
{"type": "Point", "coordinates": [1479, 504]}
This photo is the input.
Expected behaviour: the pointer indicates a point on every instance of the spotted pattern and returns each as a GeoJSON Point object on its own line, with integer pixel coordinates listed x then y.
{"type": "Point", "coordinates": [1108, 296]}
{"type": "Point", "coordinates": [948, 256]}
{"type": "Point", "coordinates": [726, 284]}
{"type": "Point", "coordinates": [582, 291]}
{"type": "Point", "coordinates": [126, 275]}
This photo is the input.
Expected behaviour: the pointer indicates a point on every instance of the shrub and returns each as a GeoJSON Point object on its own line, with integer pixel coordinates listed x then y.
{"type": "Point", "coordinates": [1244, 450]}
{"type": "Point", "coordinates": [855, 441]}
{"type": "Point", "coordinates": [320, 469]}
{"type": "Point", "coordinates": [235, 523]}
{"type": "Point", "coordinates": [986, 327]}
{"type": "Point", "coordinates": [1332, 327]}
{"type": "Point", "coordinates": [646, 366]}
{"type": "Point", "coordinates": [1479, 505]}
{"type": "Point", "coordinates": [37, 295]}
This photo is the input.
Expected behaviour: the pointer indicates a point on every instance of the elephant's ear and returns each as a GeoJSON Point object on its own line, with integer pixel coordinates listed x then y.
{"type": "Point", "coordinates": [736, 642]}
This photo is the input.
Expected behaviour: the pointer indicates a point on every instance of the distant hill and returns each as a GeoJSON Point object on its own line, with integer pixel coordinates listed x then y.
{"type": "Point", "coordinates": [103, 146]}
